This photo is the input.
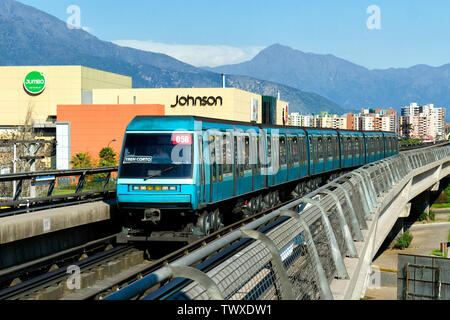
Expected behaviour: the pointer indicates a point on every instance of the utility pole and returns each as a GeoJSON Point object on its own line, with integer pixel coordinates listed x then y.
{"type": "Point", "coordinates": [14, 168]}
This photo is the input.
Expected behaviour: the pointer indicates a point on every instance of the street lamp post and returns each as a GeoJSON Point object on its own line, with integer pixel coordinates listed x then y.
{"type": "Point", "coordinates": [113, 140]}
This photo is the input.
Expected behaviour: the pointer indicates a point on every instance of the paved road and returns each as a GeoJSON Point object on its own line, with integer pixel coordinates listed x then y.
{"type": "Point", "coordinates": [427, 237]}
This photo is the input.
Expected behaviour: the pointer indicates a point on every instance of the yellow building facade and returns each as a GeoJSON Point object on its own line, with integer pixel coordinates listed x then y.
{"type": "Point", "coordinates": [220, 103]}
{"type": "Point", "coordinates": [62, 85]}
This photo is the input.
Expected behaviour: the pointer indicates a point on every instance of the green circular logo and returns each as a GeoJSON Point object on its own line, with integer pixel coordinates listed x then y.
{"type": "Point", "coordinates": [34, 82]}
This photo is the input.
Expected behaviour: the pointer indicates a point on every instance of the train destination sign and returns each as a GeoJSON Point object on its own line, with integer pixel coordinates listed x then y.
{"type": "Point", "coordinates": [192, 101]}
{"type": "Point", "coordinates": [137, 159]}
{"type": "Point", "coordinates": [34, 82]}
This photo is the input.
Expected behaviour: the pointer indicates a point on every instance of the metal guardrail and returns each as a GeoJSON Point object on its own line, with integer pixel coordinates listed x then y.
{"type": "Point", "coordinates": [300, 256]}
{"type": "Point", "coordinates": [49, 179]}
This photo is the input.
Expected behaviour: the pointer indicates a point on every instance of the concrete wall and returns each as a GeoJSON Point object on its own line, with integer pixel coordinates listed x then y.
{"type": "Point", "coordinates": [423, 280]}
{"type": "Point", "coordinates": [93, 127]}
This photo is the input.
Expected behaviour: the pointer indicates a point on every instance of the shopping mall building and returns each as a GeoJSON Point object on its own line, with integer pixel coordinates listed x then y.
{"type": "Point", "coordinates": [88, 109]}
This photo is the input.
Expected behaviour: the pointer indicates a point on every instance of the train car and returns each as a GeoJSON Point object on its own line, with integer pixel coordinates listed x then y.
{"type": "Point", "coordinates": [191, 175]}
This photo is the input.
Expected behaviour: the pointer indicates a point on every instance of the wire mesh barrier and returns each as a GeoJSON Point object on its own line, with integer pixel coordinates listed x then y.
{"type": "Point", "coordinates": [302, 246]}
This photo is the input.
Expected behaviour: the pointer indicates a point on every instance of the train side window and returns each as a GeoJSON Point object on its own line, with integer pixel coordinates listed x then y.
{"type": "Point", "coordinates": [200, 156]}
{"type": "Point", "coordinates": [377, 146]}
{"type": "Point", "coordinates": [247, 153]}
{"type": "Point", "coordinates": [282, 151]}
{"type": "Point", "coordinates": [295, 150]}
{"type": "Point", "coordinates": [269, 150]}
{"type": "Point", "coordinates": [253, 153]}
{"type": "Point", "coordinates": [227, 155]}
{"type": "Point", "coordinates": [258, 155]}
{"type": "Point", "coordinates": [335, 147]}
{"type": "Point", "coordinates": [302, 150]}
{"type": "Point", "coordinates": [319, 148]}
{"type": "Point", "coordinates": [349, 147]}
{"type": "Point", "coordinates": [213, 158]}
{"type": "Point", "coordinates": [220, 155]}
{"type": "Point", "coordinates": [329, 148]}
{"type": "Point", "coordinates": [356, 146]}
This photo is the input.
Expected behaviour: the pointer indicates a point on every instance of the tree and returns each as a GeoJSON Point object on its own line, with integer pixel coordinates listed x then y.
{"type": "Point", "coordinates": [81, 160]}
{"type": "Point", "coordinates": [107, 157]}
{"type": "Point", "coordinates": [406, 129]}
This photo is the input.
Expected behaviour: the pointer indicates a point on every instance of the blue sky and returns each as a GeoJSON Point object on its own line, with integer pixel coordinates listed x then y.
{"type": "Point", "coordinates": [213, 32]}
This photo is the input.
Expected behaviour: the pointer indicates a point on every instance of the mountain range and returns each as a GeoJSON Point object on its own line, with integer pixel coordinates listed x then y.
{"type": "Point", "coordinates": [32, 37]}
{"type": "Point", "coordinates": [348, 84]}
{"type": "Point", "coordinates": [310, 82]}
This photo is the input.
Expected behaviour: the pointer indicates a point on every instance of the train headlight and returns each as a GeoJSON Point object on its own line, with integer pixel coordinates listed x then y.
{"type": "Point", "coordinates": [154, 188]}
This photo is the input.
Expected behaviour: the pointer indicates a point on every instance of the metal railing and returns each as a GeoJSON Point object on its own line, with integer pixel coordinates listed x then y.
{"type": "Point", "coordinates": [73, 183]}
{"type": "Point", "coordinates": [299, 254]}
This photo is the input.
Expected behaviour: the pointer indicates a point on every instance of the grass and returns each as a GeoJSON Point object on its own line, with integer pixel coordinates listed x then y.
{"type": "Point", "coordinates": [438, 253]}
{"type": "Point", "coordinates": [440, 205]}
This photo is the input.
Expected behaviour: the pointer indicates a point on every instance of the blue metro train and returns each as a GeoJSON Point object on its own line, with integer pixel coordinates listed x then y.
{"type": "Point", "coordinates": [191, 174]}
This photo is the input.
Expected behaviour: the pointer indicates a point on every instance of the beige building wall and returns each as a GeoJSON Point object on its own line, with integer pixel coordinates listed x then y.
{"type": "Point", "coordinates": [236, 103]}
{"type": "Point", "coordinates": [64, 85]}
{"type": "Point", "coordinates": [280, 106]}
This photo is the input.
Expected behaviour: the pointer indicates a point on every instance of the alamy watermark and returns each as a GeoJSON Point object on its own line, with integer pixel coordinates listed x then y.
{"type": "Point", "coordinates": [74, 280]}
{"type": "Point", "coordinates": [374, 281]}
{"type": "Point", "coordinates": [73, 22]}
{"type": "Point", "coordinates": [374, 20]}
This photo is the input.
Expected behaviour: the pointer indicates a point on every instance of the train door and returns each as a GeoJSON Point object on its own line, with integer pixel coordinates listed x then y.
{"type": "Point", "coordinates": [303, 156]}
{"type": "Point", "coordinates": [343, 150]}
{"type": "Point", "coordinates": [281, 175]}
{"type": "Point", "coordinates": [247, 181]}
{"type": "Point", "coordinates": [269, 163]}
{"type": "Point", "coordinates": [318, 150]}
{"type": "Point", "coordinates": [362, 151]}
{"type": "Point", "coordinates": [355, 151]}
{"type": "Point", "coordinates": [213, 172]}
{"type": "Point", "coordinates": [312, 155]}
{"type": "Point", "coordinates": [294, 172]}
{"type": "Point", "coordinates": [329, 154]}
{"type": "Point", "coordinates": [335, 152]}
{"type": "Point", "coordinates": [377, 148]}
{"type": "Point", "coordinates": [255, 161]}
{"type": "Point", "coordinates": [349, 152]}
{"type": "Point", "coordinates": [201, 160]}
{"type": "Point", "coordinates": [238, 163]}
{"type": "Point", "coordinates": [227, 155]}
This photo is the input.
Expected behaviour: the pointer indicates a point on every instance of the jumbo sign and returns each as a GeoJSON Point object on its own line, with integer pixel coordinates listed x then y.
{"type": "Point", "coordinates": [34, 82]}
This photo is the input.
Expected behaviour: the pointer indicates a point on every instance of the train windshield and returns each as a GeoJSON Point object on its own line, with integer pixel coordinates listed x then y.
{"type": "Point", "coordinates": [157, 155]}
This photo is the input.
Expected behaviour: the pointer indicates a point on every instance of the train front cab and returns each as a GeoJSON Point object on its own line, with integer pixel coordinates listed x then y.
{"type": "Point", "coordinates": [147, 177]}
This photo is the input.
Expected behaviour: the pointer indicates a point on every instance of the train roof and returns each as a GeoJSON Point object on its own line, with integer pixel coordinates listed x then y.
{"type": "Point", "coordinates": [142, 123]}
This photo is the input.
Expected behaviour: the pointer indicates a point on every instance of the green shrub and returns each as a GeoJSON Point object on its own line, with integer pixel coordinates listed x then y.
{"type": "Point", "coordinates": [404, 240]}
{"type": "Point", "coordinates": [423, 216]}
{"type": "Point", "coordinates": [432, 215]}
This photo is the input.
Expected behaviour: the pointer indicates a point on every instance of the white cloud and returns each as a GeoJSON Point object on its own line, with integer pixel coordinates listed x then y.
{"type": "Point", "coordinates": [196, 55]}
